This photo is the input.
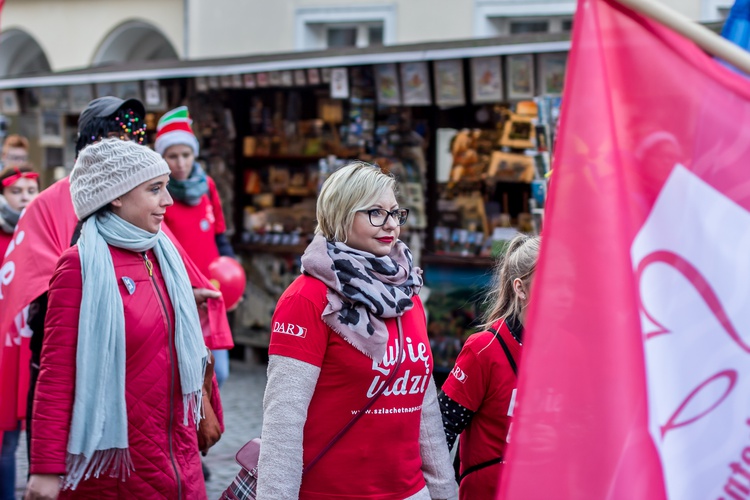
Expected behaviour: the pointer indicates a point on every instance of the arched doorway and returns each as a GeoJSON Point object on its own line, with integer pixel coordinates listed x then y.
{"type": "Point", "coordinates": [20, 54]}
{"type": "Point", "coordinates": [134, 41]}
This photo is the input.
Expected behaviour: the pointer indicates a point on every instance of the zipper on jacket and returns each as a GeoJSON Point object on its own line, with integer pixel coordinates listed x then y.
{"type": "Point", "coordinates": [150, 269]}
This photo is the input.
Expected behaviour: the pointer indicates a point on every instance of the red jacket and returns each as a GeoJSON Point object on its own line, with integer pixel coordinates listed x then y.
{"type": "Point", "coordinates": [163, 450]}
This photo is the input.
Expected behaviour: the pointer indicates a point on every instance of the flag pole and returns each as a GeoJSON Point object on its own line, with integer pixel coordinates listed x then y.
{"type": "Point", "coordinates": [700, 35]}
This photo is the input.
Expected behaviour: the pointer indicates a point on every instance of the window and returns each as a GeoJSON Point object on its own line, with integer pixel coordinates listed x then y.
{"type": "Point", "coordinates": [353, 26]}
{"type": "Point", "coordinates": [519, 27]}
{"type": "Point", "coordinates": [341, 37]}
{"type": "Point", "coordinates": [376, 35]}
{"type": "Point", "coordinates": [353, 35]}
{"type": "Point", "coordinates": [510, 17]}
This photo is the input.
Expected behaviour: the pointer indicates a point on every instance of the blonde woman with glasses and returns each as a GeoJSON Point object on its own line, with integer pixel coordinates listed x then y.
{"type": "Point", "coordinates": [349, 341]}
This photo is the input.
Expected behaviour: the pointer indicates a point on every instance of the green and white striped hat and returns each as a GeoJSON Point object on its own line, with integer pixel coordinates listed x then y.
{"type": "Point", "coordinates": [173, 129]}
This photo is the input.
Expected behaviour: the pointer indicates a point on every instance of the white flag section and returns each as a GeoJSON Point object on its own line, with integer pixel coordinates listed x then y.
{"type": "Point", "coordinates": [692, 265]}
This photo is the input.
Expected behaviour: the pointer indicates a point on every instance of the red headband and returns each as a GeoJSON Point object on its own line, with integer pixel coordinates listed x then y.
{"type": "Point", "coordinates": [8, 181]}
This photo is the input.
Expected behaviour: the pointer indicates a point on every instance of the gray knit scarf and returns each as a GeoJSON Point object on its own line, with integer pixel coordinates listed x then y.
{"type": "Point", "coordinates": [363, 290]}
{"type": "Point", "coordinates": [191, 190]}
{"type": "Point", "coordinates": [98, 441]}
{"type": "Point", "coordinates": [8, 217]}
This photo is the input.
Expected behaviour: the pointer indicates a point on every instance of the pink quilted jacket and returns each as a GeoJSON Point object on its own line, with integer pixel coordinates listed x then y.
{"type": "Point", "coordinates": [163, 450]}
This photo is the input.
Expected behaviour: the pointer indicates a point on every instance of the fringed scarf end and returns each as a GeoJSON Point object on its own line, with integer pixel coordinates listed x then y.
{"type": "Point", "coordinates": [193, 405]}
{"type": "Point", "coordinates": [115, 462]}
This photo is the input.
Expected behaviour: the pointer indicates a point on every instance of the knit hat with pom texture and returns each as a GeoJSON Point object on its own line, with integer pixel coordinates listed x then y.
{"type": "Point", "coordinates": [107, 170]}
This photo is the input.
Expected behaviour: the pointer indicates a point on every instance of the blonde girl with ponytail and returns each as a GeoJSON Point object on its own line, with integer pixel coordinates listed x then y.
{"type": "Point", "coordinates": [478, 397]}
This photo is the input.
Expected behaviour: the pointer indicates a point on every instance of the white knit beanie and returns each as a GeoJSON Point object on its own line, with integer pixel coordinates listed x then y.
{"type": "Point", "coordinates": [107, 170]}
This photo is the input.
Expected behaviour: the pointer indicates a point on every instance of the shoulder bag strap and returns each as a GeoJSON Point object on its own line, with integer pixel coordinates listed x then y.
{"type": "Point", "coordinates": [367, 406]}
{"type": "Point", "coordinates": [505, 348]}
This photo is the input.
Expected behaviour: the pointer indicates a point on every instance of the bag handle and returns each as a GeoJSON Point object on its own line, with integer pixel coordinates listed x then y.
{"type": "Point", "coordinates": [367, 406]}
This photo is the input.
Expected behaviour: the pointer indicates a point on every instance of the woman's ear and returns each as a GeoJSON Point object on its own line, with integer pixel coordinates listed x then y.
{"type": "Point", "coordinates": [117, 202]}
{"type": "Point", "coordinates": [518, 288]}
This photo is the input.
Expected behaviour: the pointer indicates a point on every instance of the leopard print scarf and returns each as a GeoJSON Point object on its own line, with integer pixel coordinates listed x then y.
{"type": "Point", "coordinates": [363, 290]}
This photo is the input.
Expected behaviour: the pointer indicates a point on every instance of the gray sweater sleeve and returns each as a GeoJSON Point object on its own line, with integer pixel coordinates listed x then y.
{"type": "Point", "coordinates": [436, 462]}
{"type": "Point", "coordinates": [290, 388]}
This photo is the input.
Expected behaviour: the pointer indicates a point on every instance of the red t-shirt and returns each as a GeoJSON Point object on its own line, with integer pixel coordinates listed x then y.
{"type": "Point", "coordinates": [196, 227]}
{"type": "Point", "coordinates": [483, 381]}
{"type": "Point", "coordinates": [379, 457]}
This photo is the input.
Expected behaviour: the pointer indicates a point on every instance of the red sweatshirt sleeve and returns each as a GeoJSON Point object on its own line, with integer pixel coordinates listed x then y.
{"type": "Point", "coordinates": [53, 399]}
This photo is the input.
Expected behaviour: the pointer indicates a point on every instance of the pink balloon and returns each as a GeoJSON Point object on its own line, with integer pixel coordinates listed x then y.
{"type": "Point", "coordinates": [228, 276]}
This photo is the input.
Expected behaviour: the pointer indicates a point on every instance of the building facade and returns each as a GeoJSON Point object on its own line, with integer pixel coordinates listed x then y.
{"type": "Point", "coordinates": [51, 35]}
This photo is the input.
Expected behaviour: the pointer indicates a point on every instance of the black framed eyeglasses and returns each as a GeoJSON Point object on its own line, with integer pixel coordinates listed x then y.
{"type": "Point", "coordinates": [378, 216]}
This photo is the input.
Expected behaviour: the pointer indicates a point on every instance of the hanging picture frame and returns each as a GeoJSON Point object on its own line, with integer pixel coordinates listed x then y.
{"type": "Point", "coordinates": [262, 79]}
{"type": "Point", "coordinates": [274, 78]}
{"type": "Point", "coordinates": [386, 84]}
{"type": "Point", "coordinates": [9, 100]}
{"type": "Point", "coordinates": [287, 78]}
{"type": "Point", "coordinates": [339, 83]}
{"type": "Point", "coordinates": [486, 80]}
{"type": "Point", "coordinates": [300, 79]}
{"type": "Point", "coordinates": [415, 84]}
{"type": "Point", "coordinates": [519, 132]}
{"type": "Point", "coordinates": [520, 71]}
{"type": "Point", "coordinates": [249, 80]}
{"type": "Point", "coordinates": [151, 93]}
{"type": "Point", "coordinates": [552, 72]}
{"type": "Point", "coordinates": [313, 76]}
{"type": "Point", "coordinates": [449, 83]}
{"type": "Point", "coordinates": [154, 96]}
{"type": "Point", "coordinates": [325, 75]}
{"type": "Point", "coordinates": [201, 84]}
{"type": "Point", "coordinates": [225, 81]}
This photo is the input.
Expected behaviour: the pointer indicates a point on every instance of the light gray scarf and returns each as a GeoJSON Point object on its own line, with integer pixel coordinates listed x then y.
{"type": "Point", "coordinates": [8, 217]}
{"type": "Point", "coordinates": [98, 441]}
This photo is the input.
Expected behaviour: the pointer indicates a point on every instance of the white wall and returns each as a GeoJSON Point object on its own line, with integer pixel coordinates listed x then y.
{"type": "Point", "coordinates": [70, 31]}
{"type": "Point", "coordinates": [240, 27]}
{"type": "Point", "coordinates": [434, 20]}
{"type": "Point", "coordinates": [690, 8]}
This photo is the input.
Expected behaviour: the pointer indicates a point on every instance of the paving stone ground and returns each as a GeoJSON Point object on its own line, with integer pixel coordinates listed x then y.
{"type": "Point", "coordinates": [242, 400]}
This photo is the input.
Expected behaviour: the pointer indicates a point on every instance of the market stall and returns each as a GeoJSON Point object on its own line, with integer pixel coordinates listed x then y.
{"type": "Point", "coordinates": [465, 126]}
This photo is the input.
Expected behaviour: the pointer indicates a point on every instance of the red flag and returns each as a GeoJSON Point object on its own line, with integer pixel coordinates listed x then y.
{"type": "Point", "coordinates": [24, 275]}
{"type": "Point", "coordinates": [636, 373]}
{"type": "Point", "coordinates": [43, 233]}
